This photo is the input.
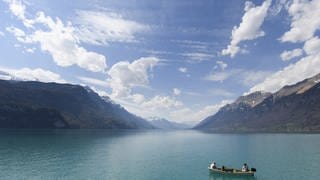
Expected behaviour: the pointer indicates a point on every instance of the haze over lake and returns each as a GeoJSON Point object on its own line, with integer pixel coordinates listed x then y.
{"type": "Point", "coordinates": [144, 155]}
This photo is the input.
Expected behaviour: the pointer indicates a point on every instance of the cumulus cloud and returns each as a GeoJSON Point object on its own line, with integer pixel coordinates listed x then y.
{"type": "Point", "coordinates": [183, 69]}
{"type": "Point", "coordinates": [18, 33]}
{"type": "Point", "coordinates": [312, 46]}
{"type": "Point", "coordinates": [61, 42]}
{"type": "Point", "coordinates": [288, 55]}
{"type": "Point", "coordinates": [304, 24]}
{"type": "Point", "coordinates": [176, 91]}
{"type": "Point", "coordinates": [304, 20]}
{"type": "Point", "coordinates": [222, 65]}
{"type": "Point", "coordinates": [249, 27]}
{"type": "Point", "coordinates": [56, 38]}
{"type": "Point", "coordinates": [161, 102]}
{"type": "Point", "coordinates": [30, 50]}
{"type": "Point", "coordinates": [103, 27]}
{"type": "Point", "coordinates": [27, 74]}
{"type": "Point", "coordinates": [18, 9]}
{"type": "Point", "coordinates": [277, 6]}
{"type": "Point", "coordinates": [306, 67]}
{"type": "Point", "coordinates": [125, 75]}
{"type": "Point", "coordinates": [159, 105]}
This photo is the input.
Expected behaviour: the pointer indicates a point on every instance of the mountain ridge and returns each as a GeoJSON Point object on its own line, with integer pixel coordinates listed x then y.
{"type": "Point", "coordinates": [62, 106]}
{"type": "Point", "coordinates": [162, 123]}
{"type": "Point", "coordinates": [293, 108]}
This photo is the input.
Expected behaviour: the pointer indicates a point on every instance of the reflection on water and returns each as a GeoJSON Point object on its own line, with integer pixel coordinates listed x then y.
{"type": "Point", "coordinates": [214, 176]}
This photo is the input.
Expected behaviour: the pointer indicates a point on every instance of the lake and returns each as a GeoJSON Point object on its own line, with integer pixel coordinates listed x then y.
{"type": "Point", "coordinates": [159, 155]}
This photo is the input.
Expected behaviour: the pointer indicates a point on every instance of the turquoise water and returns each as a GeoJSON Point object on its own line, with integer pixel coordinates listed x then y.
{"type": "Point", "coordinates": [160, 155]}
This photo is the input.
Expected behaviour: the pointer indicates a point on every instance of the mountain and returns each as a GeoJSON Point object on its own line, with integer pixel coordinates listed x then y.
{"type": "Point", "coordinates": [161, 123]}
{"type": "Point", "coordinates": [34, 104]}
{"type": "Point", "coordinates": [294, 108]}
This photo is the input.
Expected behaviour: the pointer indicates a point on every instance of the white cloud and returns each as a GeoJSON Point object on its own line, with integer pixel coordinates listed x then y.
{"type": "Point", "coordinates": [305, 20]}
{"type": "Point", "coordinates": [161, 102]}
{"type": "Point", "coordinates": [250, 78]}
{"type": "Point", "coordinates": [183, 69]}
{"type": "Point", "coordinates": [288, 55]}
{"type": "Point", "coordinates": [245, 77]}
{"type": "Point", "coordinates": [18, 9]}
{"type": "Point", "coordinates": [195, 116]}
{"type": "Point", "coordinates": [103, 27]}
{"type": "Point", "coordinates": [94, 81]}
{"type": "Point", "coordinates": [176, 91]}
{"type": "Point", "coordinates": [218, 76]}
{"type": "Point", "coordinates": [221, 64]}
{"type": "Point", "coordinates": [98, 91]}
{"type": "Point", "coordinates": [57, 38]}
{"type": "Point", "coordinates": [1, 33]}
{"type": "Point", "coordinates": [249, 28]}
{"type": "Point", "coordinates": [61, 42]}
{"type": "Point", "coordinates": [30, 50]}
{"type": "Point", "coordinates": [158, 105]}
{"type": "Point", "coordinates": [306, 67]}
{"type": "Point", "coordinates": [137, 98]}
{"type": "Point", "coordinates": [125, 75]}
{"type": "Point", "coordinates": [312, 46]}
{"type": "Point", "coordinates": [27, 74]}
{"type": "Point", "coordinates": [198, 56]}
{"type": "Point", "coordinates": [18, 33]}
{"type": "Point", "coordinates": [277, 6]}
{"type": "Point", "coordinates": [304, 24]}
{"type": "Point", "coordinates": [222, 75]}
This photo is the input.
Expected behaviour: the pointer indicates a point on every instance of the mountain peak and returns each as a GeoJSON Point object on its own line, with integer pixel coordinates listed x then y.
{"type": "Point", "coordinates": [294, 108]}
{"type": "Point", "coordinates": [163, 123]}
{"type": "Point", "coordinates": [31, 104]}
{"type": "Point", "coordinates": [253, 99]}
{"type": "Point", "coordinates": [299, 87]}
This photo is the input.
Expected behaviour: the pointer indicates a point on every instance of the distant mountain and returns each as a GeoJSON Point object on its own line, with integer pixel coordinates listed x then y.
{"type": "Point", "coordinates": [294, 108]}
{"type": "Point", "coordinates": [51, 105]}
{"type": "Point", "coordinates": [162, 123]}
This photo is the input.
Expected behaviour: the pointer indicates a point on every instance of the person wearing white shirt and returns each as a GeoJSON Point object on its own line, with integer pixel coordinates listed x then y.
{"type": "Point", "coordinates": [245, 167]}
{"type": "Point", "coordinates": [213, 165]}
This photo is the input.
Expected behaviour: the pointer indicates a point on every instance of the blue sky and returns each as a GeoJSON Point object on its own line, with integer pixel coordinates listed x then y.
{"type": "Point", "coordinates": [181, 60]}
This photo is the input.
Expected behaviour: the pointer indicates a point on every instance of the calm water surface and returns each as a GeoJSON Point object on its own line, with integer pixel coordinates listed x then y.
{"type": "Point", "coordinates": [159, 155]}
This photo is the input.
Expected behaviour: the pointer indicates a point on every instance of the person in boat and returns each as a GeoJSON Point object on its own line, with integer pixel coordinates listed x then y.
{"type": "Point", "coordinates": [213, 165]}
{"type": "Point", "coordinates": [245, 167]}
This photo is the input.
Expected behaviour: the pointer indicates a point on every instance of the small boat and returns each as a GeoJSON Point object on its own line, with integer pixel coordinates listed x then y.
{"type": "Point", "coordinates": [232, 171]}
